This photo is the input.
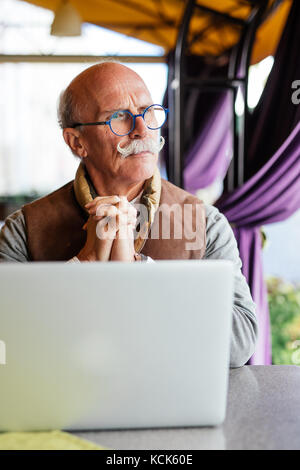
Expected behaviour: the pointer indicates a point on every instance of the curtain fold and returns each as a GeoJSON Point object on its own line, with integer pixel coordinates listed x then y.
{"type": "Point", "coordinates": [273, 194]}
{"type": "Point", "coordinates": [210, 155]}
{"type": "Point", "coordinates": [249, 242]}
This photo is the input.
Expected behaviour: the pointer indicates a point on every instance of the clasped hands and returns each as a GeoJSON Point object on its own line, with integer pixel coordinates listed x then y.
{"type": "Point", "coordinates": [110, 230]}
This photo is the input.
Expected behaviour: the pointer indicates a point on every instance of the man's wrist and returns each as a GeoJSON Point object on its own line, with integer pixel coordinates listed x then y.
{"type": "Point", "coordinates": [83, 256]}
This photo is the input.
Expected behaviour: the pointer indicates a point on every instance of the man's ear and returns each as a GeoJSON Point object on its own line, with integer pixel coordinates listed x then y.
{"type": "Point", "coordinates": [74, 140]}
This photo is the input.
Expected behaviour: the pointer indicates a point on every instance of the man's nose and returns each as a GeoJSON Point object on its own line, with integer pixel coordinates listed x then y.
{"type": "Point", "coordinates": [140, 129]}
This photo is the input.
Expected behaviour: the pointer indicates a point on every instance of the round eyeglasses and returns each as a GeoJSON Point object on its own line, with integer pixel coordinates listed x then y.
{"type": "Point", "coordinates": [123, 122]}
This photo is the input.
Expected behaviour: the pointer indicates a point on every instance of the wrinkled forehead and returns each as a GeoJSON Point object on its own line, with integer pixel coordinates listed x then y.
{"type": "Point", "coordinates": [111, 90]}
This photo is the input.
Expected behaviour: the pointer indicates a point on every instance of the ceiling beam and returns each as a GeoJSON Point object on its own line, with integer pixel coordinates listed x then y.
{"type": "Point", "coordinates": [34, 58]}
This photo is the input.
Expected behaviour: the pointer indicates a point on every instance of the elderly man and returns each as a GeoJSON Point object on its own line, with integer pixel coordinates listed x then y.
{"type": "Point", "coordinates": [118, 205]}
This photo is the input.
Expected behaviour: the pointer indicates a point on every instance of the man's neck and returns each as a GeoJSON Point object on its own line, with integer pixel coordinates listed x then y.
{"type": "Point", "coordinates": [103, 188]}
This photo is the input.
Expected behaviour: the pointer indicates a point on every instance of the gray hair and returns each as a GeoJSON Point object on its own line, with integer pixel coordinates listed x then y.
{"type": "Point", "coordinates": [67, 112]}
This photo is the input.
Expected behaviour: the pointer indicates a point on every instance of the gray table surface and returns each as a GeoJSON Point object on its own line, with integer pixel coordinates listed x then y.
{"type": "Point", "coordinates": [263, 412]}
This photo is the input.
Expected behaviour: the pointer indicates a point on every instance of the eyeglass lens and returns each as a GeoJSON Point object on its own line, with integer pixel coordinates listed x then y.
{"type": "Point", "coordinates": [122, 121]}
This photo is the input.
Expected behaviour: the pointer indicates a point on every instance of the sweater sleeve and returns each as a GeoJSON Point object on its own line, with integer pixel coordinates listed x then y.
{"type": "Point", "coordinates": [221, 244]}
{"type": "Point", "coordinates": [13, 239]}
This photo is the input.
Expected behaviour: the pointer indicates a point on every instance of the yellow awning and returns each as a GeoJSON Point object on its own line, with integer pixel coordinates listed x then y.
{"type": "Point", "coordinates": [158, 21]}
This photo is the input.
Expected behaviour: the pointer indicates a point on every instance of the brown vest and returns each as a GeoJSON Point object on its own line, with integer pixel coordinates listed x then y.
{"type": "Point", "coordinates": [54, 226]}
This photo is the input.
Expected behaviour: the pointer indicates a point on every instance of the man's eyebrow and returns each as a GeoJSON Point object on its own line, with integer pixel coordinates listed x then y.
{"type": "Point", "coordinates": [110, 111]}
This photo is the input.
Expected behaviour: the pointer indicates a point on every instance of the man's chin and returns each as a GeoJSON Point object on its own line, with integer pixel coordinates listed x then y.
{"type": "Point", "coordinates": [140, 168]}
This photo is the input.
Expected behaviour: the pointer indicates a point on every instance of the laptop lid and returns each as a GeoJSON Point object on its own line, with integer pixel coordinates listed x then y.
{"type": "Point", "coordinates": [114, 345]}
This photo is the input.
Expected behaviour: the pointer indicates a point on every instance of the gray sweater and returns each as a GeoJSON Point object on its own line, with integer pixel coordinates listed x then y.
{"type": "Point", "coordinates": [220, 244]}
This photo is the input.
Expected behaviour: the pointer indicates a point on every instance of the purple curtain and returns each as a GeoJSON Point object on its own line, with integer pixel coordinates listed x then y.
{"type": "Point", "coordinates": [271, 195]}
{"type": "Point", "coordinates": [272, 189]}
{"type": "Point", "coordinates": [272, 192]}
{"type": "Point", "coordinates": [276, 116]}
{"type": "Point", "coordinates": [210, 155]}
{"type": "Point", "coordinates": [207, 135]}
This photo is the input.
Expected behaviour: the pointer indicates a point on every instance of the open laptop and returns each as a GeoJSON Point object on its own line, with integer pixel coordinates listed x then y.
{"type": "Point", "coordinates": [114, 345]}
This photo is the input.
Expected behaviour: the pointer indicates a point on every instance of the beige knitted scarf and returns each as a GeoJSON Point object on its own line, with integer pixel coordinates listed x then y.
{"type": "Point", "coordinates": [85, 192]}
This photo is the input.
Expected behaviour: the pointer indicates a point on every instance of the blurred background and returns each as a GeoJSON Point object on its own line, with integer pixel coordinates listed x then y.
{"type": "Point", "coordinates": [35, 66]}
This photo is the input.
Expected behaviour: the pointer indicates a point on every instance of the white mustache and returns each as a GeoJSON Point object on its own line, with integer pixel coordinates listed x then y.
{"type": "Point", "coordinates": [138, 146]}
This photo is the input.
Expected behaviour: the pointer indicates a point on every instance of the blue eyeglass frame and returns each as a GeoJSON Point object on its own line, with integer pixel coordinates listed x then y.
{"type": "Point", "coordinates": [134, 116]}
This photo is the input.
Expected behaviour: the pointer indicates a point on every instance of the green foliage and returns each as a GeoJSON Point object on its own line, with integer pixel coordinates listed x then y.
{"type": "Point", "coordinates": [284, 305]}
